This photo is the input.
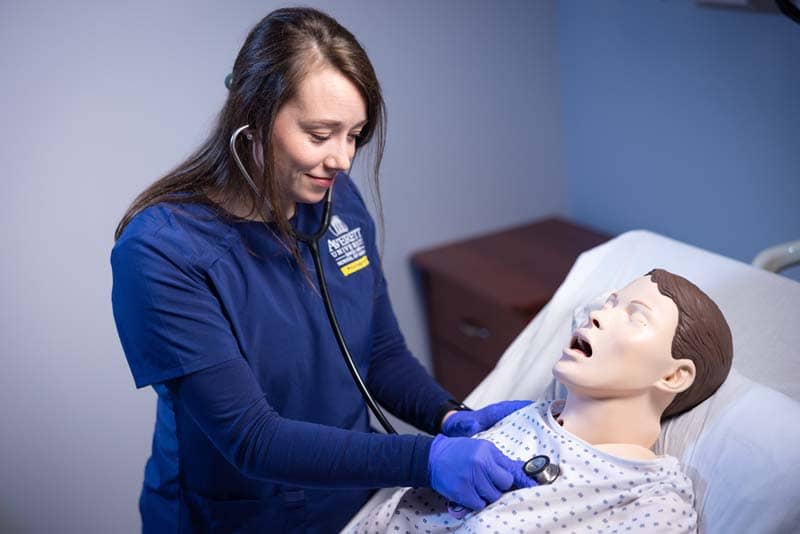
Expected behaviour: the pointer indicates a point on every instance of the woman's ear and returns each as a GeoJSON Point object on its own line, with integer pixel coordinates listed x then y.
{"type": "Point", "coordinates": [680, 378]}
{"type": "Point", "coordinates": [257, 149]}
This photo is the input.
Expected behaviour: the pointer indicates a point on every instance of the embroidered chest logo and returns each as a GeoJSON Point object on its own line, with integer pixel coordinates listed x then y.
{"type": "Point", "coordinates": [347, 248]}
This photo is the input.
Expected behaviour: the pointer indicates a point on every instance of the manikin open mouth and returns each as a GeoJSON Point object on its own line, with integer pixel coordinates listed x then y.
{"type": "Point", "coordinates": [580, 344]}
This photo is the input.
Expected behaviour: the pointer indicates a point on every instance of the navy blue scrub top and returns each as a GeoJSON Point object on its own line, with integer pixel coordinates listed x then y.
{"type": "Point", "coordinates": [259, 426]}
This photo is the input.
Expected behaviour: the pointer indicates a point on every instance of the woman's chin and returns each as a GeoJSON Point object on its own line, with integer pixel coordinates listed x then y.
{"type": "Point", "coordinates": [313, 197]}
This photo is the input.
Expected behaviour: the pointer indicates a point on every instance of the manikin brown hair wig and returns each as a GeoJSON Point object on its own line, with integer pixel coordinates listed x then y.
{"type": "Point", "coordinates": [702, 335]}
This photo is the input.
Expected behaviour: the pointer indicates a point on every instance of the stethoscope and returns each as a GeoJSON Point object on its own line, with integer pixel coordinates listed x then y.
{"type": "Point", "coordinates": [312, 241]}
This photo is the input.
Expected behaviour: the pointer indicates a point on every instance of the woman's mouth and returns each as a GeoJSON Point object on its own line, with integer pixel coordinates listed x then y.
{"type": "Point", "coordinates": [324, 181]}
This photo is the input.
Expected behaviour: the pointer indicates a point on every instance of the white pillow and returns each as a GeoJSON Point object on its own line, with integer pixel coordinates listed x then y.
{"type": "Point", "coordinates": [744, 439]}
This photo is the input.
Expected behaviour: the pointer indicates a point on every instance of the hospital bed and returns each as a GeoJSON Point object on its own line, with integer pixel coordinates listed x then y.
{"type": "Point", "coordinates": [741, 447]}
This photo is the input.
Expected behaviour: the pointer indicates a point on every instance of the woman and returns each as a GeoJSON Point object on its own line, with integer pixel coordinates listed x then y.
{"type": "Point", "coordinates": [259, 426]}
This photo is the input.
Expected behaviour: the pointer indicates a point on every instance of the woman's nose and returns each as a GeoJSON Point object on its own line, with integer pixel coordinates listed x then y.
{"type": "Point", "coordinates": [339, 159]}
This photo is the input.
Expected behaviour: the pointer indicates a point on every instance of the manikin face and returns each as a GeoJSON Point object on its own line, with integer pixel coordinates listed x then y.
{"type": "Point", "coordinates": [625, 347]}
{"type": "Point", "coordinates": [314, 135]}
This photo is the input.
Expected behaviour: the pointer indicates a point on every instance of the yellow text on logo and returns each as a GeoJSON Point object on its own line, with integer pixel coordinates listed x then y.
{"type": "Point", "coordinates": [355, 266]}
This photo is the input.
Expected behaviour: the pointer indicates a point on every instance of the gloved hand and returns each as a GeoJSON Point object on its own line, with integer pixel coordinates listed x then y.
{"type": "Point", "coordinates": [468, 423]}
{"type": "Point", "coordinates": [473, 472]}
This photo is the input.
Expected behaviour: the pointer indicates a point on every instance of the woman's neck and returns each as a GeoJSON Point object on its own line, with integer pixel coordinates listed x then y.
{"type": "Point", "coordinates": [241, 208]}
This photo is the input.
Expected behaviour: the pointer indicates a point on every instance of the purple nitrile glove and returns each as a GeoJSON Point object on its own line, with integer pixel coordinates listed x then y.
{"type": "Point", "coordinates": [472, 472]}
{"type": "Point", "coordinates": [468, 423]}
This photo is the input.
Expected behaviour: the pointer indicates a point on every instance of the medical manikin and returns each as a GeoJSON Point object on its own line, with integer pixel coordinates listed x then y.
{"type": "Point", "coordinates": [656, 348]}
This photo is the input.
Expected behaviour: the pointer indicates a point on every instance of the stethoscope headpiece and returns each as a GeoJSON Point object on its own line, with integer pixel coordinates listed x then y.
{"type": "Point", "coordinates": [540, 469]}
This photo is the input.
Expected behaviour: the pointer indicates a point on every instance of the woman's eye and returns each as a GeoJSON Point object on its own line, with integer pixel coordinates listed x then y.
{"type": "Point", "coordinates": [319, 138]}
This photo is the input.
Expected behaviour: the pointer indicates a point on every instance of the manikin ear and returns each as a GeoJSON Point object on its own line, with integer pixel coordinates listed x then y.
{"type": "Point", "coordinates": [679, 379]}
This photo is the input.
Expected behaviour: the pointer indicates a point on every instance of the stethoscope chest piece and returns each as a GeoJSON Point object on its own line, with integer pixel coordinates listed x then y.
{"type": "Point", "coordinates": [540, 469]}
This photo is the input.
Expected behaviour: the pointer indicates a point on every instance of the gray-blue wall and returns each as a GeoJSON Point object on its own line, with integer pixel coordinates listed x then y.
{"type": "Point", "coordinates": [682, 119]}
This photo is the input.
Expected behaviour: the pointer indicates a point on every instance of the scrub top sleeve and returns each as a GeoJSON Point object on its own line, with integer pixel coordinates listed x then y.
{"type": "Point", "coordinates": [169, 322]}
{"type": "Point", "coordinates": [230, 407]}
{"type": "Point", "coordinates": [396, 378]}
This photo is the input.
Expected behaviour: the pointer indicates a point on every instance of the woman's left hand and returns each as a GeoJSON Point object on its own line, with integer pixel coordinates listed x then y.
{"type": "Point", "coordinates": [467, 423]}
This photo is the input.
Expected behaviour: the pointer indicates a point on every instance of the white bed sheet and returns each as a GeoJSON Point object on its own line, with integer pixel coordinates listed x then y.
{"type": "Point", "coordinates": [763, 311]}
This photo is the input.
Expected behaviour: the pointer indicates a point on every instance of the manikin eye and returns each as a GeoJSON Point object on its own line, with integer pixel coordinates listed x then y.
{"type": "Point", "coordinates": [639, 318]}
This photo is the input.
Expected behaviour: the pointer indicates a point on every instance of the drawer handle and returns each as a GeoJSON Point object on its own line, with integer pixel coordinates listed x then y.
{"type": "Point", "coordinates": [470, 329]}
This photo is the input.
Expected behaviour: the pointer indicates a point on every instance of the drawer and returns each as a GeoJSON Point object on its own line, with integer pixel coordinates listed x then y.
{"type": "Point", "coordinates": [456, 372]}
{"type": "Point", "coordinates": [470, 323]}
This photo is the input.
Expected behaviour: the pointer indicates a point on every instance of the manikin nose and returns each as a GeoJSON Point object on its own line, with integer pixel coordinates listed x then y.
{"type": "Point", "coordinates": [594, 319]}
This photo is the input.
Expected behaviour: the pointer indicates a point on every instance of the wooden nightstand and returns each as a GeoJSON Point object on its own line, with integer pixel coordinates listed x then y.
{"type": "Point", "coordinates": [480, 293]}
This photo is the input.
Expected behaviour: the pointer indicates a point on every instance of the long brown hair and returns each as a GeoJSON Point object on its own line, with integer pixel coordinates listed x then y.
{"type": "Point", "coordinates": [702, 335]}
{"type": "Point", "coordinates": [277, 54]}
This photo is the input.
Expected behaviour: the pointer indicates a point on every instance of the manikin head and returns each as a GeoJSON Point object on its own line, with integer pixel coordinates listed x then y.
{"type": "Point", "coordinates": [659, 336]}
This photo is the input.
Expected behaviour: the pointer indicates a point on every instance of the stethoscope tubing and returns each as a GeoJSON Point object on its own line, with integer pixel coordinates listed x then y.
{"type": "Point", "coordinates": [312, 241]}
{"type": "Point", "coordinates": [337, 332]}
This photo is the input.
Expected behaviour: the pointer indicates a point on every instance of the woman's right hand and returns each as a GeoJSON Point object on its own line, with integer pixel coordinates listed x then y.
{"type": "Point", "coordinates": [472, 472]}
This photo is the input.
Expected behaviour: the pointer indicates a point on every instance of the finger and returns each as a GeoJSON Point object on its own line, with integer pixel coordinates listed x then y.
{"type": "Point", "coordinates": [471, 501]}
{"type": "Point", "coordinates": [521, 480]}
{"type": "Point", "coordinates": [514, 468]}
{"type": "Point", "coordinates": [498, 472]}
{"type": "Point", "coordinates": [486, 488]}
{"type": "Point", "coordinates": [513, 406]}
{"type": "Point", "coordinates": [471, 427]}
{"type": "Point", "coordinates": [484, 418]}
{"type": "Point", "coordinates": [495, 412]}
{"type": "Point", "coordinates": [459, 424]}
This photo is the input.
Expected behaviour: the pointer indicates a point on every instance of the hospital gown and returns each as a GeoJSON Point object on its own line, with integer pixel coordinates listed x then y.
{"type": "Point", "coordinates": [595, 493]}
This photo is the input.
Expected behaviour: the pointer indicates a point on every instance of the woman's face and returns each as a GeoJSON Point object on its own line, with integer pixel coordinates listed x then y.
{"type": "Point", "coordinates": [314, 135]}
